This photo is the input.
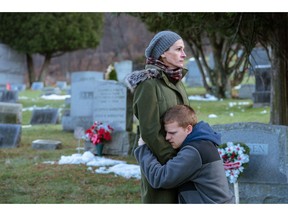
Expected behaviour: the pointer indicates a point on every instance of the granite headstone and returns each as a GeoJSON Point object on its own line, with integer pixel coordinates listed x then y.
{"type": "Point", "coordinates": [123, 68]}
{"type": "Point", "coordinates": [268, 163]}
{"type": "Point", "coordinates": [193, 77]}
{"type": "Point", "coordinates": [10, 135]}
{"type": "Point", "coordinates": [11, 113]}
{"type": "Point", "coordinates": [44, 116]}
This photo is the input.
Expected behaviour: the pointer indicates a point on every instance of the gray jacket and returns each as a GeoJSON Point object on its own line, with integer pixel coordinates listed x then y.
{"type": "Point", "coordinates": [196, 170]}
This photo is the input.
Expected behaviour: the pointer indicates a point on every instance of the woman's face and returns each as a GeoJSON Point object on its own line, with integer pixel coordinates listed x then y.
{"type": "Point", "coordinates": [175, 55]}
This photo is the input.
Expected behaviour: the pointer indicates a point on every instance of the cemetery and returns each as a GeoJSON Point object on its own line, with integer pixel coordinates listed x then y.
{"type": "Point", "coordinates": [50, 149]}
{"type": "Point", "coordinates": [56, 127]}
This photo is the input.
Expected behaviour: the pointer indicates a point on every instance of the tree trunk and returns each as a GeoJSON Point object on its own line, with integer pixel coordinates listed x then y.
{"type": "Point", "coordinates": [279, 78]}
{"type": "Point", "coordinates": [30, 66]}
{"type": "Point", "coordinates": [44, 67]}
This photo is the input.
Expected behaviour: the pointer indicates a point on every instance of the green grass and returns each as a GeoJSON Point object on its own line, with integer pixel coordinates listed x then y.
{"type": "Point", "coordinates": [24, 178]}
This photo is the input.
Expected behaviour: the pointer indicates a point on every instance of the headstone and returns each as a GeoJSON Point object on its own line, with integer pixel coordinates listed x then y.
{"type": "Point", "coordinates": [246, 91]}
{"type": "Point", "coordinates": [261, 96]}
{"type": "Point", "coordinates": [123, 68]}
{"type": "Point", "coordinates": [37, 86]}
{"type": "Point", "coordinates": [261, 68]}
{"type": "Point", "coordinates": [79, 76]}
{"type": "Point", "coordinates": [13, 66]}
{"type": "Point", "coordinates": [11, 113]}
{"type": "Point", "coordinates": [9, 96]}
{"type": "Point", "coordinates": [51, 90]}
{"type": "Point", "coordinates": [61, 84]}
{"type": "Point", "coordinates": [193, 77]}
{"type": "Point", "coordinates": [10, 135]}
{"type": "Point", "coordinates": [44, 116]}
{"type": "Point", "coordinates": [108, 101]}
{"type": "Point", "coordinates": [18, 87]}
{"type": "Point", "coordinates": [259, 58]}
{"type": "Point", "coordinates": [110, 104]}
{"type": "Point", "coordinates": [265, 180]}
{"type": "Point", "coordinates": [82, 92]}
{"type": "Point", "coordinates": [46, 144]}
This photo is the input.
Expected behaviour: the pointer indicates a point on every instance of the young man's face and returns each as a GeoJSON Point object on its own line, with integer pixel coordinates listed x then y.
{"type": "Point", "coordinates": [175, 134]}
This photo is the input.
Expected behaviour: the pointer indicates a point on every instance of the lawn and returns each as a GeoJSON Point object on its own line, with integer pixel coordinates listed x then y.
{"type": "Point", "coordinates": [24, 178]}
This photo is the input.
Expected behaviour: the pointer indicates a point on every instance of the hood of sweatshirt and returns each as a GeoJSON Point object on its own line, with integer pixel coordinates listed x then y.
{"type": "Point", "coordinates": [203, 131]}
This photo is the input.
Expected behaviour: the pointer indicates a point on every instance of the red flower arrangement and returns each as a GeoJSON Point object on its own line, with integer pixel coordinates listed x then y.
{"type": "Point", "coordinates": [98, 132]}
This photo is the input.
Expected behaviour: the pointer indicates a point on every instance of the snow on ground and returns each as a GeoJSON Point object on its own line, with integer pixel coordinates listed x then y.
{"type": "Point", "coordinates": [104, 165]}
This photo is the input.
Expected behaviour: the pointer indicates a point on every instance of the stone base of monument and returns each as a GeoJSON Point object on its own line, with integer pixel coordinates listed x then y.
{"type": "Point", "coordinates": [69, 123]}
{"type": "Point", "coordinates": [261, 99]}
{"type": "Point", "coordinates": [46, 144]}
{"type": "Point", "coordinates": [121, 144]}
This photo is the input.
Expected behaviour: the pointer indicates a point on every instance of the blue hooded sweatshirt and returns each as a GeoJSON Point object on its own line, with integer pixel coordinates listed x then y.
{"type": "Point", "coordinates": [203, 131]}
{"type": "Point", "coordinates": [197, 169]}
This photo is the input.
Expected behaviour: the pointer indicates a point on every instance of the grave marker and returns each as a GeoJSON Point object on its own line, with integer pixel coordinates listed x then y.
{"type": "Point", "coordinates": [123, 68]}
{"type": "Point", "coordinates": [11, 113]}
{"type": "Point", "coordinates": [37, 86]}
{"type": "Point", "coordinates": [268, 163]}
{"type": "Point", "coordinates": [44, 116]}
{"type": "Point", "coordinates": [10, 135]}
{"type": "Point", "coordinates": [9, 96]}
{"type": "Point", "coordinates": [193, 77]}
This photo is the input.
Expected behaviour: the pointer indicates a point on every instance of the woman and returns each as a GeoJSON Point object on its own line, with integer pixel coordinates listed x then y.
{"type": "Point", "coordinates": [157, 88]}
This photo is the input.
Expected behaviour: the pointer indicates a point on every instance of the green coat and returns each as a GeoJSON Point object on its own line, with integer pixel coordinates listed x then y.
{"type": "Point", "coordinates": [151, 98]}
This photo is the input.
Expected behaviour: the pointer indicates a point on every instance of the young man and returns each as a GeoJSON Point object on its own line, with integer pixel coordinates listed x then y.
{"type": "Point", "coordinates": [197, 169]}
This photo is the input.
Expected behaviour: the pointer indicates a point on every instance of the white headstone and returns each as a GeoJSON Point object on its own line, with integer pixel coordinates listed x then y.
{"type": "Point", "coordinates": [123, 68]}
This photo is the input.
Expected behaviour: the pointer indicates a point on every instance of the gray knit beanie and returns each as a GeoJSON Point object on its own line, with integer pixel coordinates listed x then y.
{"type": "Point", "coordinates": [161, 42]}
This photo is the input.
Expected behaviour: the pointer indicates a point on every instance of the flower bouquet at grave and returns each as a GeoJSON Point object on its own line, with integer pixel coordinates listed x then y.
{"type": "Point", "coordinates": [98, 133]}
{"type": "Point", "coordinates": [235, 157]}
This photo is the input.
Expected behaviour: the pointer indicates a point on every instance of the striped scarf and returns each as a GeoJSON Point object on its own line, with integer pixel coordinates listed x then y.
{"type": "Point", "coordinates": [174, 74]}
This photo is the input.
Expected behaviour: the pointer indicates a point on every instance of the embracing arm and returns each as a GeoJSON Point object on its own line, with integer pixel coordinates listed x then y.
{"type": "Point", "coordinates": [175, 172]}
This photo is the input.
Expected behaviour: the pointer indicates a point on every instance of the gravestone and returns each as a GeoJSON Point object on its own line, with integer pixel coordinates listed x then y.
{"type": "Point", "coordinates": [193, 77]}
{"type": "Point", "coordinates": [13, 66]}
{"type": "Point", "coordinates": [261, 96]}
{"type": "Point", "coordinates": [37, 86]}
{"type": "Point", "coordinates": [44, 116]}
{"type": "Point", "coordinates": [265, 180]}
{"type": "Point", "coordinates": [82, 95]}
{"type": "Point", "coordinates": [10, 135]}
{"type": "Point", "coordinates": [246, 91]}
{"type": "Point", "coordinates": [114, 108]}
{"type": "Point", "coordinates": [110, 104]}
{"type": "Point", "coordinates": [9, 96]}
{"type": "Point", "coordinates": [259, 58]}
{"type": "Point", "coordinates": [18, 87]}
{"type": "Point", "coordinates": [79, 76]}
{"type": "Point", "coordinates": [261, 67]}
{"type": "Point", "coordinates": [51, 90]}
{"type": "Point", "coordinates": [11, 113]}
{"type": "Point", "coordinates": [123, 68]}
{"type": "Point", "coordinates": [108, 101]}
{"type": "Point", "coordinates": [61, 84]}
{"type": "Point", "coordinates": [81, 103]}
{"type": "Point", "coordinates": [46, 144]}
